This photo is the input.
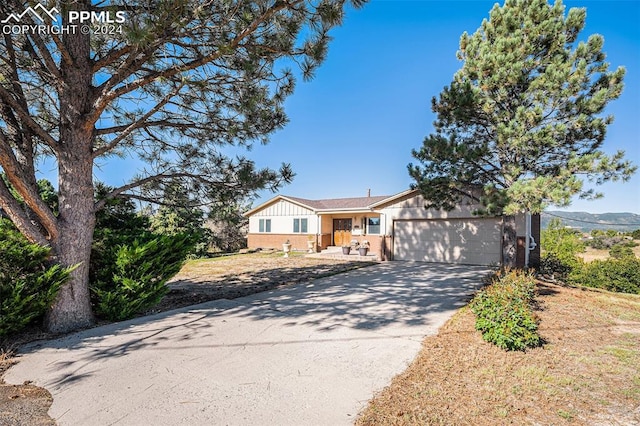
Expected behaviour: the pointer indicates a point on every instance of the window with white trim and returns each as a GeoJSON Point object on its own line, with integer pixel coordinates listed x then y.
{"type": "Point", "coordinates": [264, 225]}
{"type": "Point", "coordinates": [300, 226]}
{"type": "Point", "coordinates": [373, 225]}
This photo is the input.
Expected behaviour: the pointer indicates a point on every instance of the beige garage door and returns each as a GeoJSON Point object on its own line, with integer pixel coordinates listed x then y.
{"type": "Point", "coordinates": [467, 241]}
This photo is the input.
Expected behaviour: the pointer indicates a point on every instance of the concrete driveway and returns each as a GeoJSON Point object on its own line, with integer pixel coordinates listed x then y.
{"type": "Point", "coordinates": [309, 355]}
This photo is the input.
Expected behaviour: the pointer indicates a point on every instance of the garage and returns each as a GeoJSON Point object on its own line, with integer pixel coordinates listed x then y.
{"type": "Point", "coordinates": [471, 241]}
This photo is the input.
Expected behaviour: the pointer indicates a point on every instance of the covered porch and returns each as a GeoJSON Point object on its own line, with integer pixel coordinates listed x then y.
{"type": "Point", "coordinates": [340, 228]}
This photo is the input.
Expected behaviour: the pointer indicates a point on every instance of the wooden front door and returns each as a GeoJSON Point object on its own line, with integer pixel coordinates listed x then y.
{"type": "Point", "coordinates": [341, 232]}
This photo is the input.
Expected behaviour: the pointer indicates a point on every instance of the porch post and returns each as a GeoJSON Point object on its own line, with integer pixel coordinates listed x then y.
{"type": "Point", "coordinates": [319, 232]}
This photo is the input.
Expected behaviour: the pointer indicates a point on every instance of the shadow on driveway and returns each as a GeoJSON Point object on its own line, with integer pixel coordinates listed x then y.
{"type": "Point", "coordinates": [320, 348]}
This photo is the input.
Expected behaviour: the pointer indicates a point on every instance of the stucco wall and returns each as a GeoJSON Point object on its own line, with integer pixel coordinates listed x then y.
{"type": "Point", "coordinates": [412, 207]}
{"type": "Point", "coordinates": [283, 224]}
{"type": "Point", "coordinates": [281, 214]}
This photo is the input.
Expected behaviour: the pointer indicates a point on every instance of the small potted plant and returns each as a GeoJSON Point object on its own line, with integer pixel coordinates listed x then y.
{"type": "Point", "coordinates": [346, 249]}
{"type": "Point", "coordinates": [286, 248]}
{"type": "Point", "coordinates": [363, 248]}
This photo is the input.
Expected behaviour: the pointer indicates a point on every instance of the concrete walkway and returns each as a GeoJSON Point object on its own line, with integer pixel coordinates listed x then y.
{"type": "Point", "coordinates": [309, 355]}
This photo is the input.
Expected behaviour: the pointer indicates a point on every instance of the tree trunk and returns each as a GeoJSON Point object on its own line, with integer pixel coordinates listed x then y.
{"type": "Point", "coordinates": [534, 255]}
{"type": "Point", "coordinates": [509, 241]}
{"type": "Point", "coordinates": [72, 308]}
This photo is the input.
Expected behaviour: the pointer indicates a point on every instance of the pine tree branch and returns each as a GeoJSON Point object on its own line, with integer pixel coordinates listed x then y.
{"type": "Point", "coordinates": [18, 216]}
{"type": "Point", "coordinates": [64, 53]}
{"type": "Point", "coordinates": [112, 57]}
{"type": "Point", "coordinates": [107, 96]}
{"type": "Point", "coordinates": [29, 193]}
{"type": "Point", "coordinates": [44, 53]}
{"type": "Point", "coordinates": [21, 137]}
{"type": "Point", "coordinates": [40, 67]}
{"type": "Point", "coordinates": [116, 192]}
{"type": "Point", "coordinates": [26, 118]}
{"type": "Point", "coordinates": [160, 202]}
{"type": "Point", "coordinates": [141, 122]}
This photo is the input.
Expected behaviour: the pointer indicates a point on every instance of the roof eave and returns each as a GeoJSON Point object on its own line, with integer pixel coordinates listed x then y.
{"type": "Point", "coordinates": [367, 209]}
{"type": "Point", "coordinates": [393, 198]}
{"type": "Point", "coordinates": [273, 200]}
{"type": "Point", "coordinates": [340, 211]}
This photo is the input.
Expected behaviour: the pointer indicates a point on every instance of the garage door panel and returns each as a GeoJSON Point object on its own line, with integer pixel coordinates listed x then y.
{"type": "Point", "coordinates": [469, 241]}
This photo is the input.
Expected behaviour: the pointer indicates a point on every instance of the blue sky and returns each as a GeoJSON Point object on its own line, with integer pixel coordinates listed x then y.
{"type": "Point", "coordinates": [353, 126]}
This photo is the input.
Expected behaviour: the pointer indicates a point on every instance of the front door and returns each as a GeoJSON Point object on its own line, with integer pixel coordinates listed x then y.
{"type": "Point", "coordinates": [341, 232]}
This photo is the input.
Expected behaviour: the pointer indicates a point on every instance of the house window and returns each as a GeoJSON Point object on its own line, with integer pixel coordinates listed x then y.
{"type": "Point", "coordinates": [373, 225]}
{"type": "Point", "coordinates": [300, 226]}
{"type": "Point", "coordinates": [264, 225]}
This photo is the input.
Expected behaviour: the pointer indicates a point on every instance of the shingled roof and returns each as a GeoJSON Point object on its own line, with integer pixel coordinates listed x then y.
{"type": "Point", "coordinates": [331, 205]}
{"type": "Point", "coordinates": [339, 203]}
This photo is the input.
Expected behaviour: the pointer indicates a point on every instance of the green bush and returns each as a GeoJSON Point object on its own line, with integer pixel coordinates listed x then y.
{"type": "Point", "coordinates": [129, 264]}
{"type": "Point", "coordinates": [504, 314]}
{"type": "Point", "coordinates": [177, 221]}
{"type": "Point", "coordinates": [27, 284]}
{"type": "Point", "coordinates": [620, 251]}
{"type": "Point", "coordinates": [552, 266]}
{"type": "Point", "coordinates": [560, 246]}
{"type": "Point", "coordinates": [134, 276]}
{"type": "Point", "coordinates": [620, 275]}
{"type": "Point", "coordinates": [562, 241]}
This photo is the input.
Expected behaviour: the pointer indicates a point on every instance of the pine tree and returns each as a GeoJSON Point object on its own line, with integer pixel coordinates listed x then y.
{"type": "Point", "coordinates": [521, 125]}
{"type": "Point", "coordinates": [182, 80]}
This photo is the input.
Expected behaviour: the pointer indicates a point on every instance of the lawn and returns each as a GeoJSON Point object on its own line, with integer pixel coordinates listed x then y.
{"type": "Point", "coordinates": [588, 371]}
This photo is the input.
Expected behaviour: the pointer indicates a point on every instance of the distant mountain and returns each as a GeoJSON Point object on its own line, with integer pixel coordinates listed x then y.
{"type": "Point", "coordinates": [589, 221]}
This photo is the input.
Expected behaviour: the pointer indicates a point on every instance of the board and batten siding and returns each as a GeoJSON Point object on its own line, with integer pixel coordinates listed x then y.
{"type": "Point", "coordinates": [281, 215]}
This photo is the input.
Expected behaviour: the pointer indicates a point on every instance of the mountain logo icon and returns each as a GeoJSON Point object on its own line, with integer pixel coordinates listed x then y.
{"type": "Point", "coordinates": [35, 11]}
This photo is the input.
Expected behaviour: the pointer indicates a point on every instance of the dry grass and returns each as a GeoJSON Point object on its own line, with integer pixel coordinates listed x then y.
{"type": "Point", "coordinates": [223, 267]}
{"type": "Point", "coordinates": [239, 275]}
{"type": "Point", "coordinates": [587, 373]}
{"type": "Point", "coordinates": [6, 360]}
{"type": "Point", "coordinates": [591, 254]}
{"type": "Point", "coordinates": [24, 404]}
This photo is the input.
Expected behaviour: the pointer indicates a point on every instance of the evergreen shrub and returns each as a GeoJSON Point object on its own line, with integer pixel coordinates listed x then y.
{"type": "Point", "coordinates": [28, 284]}
{"type": "Point", "coordinates": [133, 276]}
